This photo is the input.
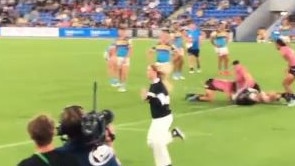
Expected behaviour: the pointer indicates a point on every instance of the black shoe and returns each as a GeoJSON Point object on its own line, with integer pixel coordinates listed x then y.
{"type": "Point", "coordinates": [176, 132]}
{"type": "Point", "coordinates": [193, 98]}
{"type": "Point", "coordinates": [188, 95]}
{"type": "Point", "coordinates": [287, 97]}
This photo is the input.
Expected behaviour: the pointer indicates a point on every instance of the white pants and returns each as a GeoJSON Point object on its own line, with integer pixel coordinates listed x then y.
{"type": "Point", "coordinates": [286, 39]}
{"type": "Point", "coordinates": [165, 68]}
{"type": "Point", "coordinates": [158, 138]}
{"type": "Point", "coordinates": [123, 61]}
{"type": "Point", "coordinates": [221, 51]}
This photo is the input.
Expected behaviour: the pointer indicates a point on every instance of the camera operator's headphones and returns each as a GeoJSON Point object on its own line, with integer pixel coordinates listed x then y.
{"type": "Point", "coordinates": [73, 110]}
{"type": "Point", "coordinates": [91, 127]}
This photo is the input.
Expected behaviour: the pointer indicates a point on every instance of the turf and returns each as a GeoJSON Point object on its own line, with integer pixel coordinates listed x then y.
{"type": "Point", "coordinates": [44, 75]}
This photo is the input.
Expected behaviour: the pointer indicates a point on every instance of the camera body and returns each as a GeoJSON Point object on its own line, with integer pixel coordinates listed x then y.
{"type": "Point", "coordinates": [91, 128]}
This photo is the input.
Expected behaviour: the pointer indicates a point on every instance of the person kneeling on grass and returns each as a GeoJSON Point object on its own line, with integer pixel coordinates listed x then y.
{"type": "Point", "coordinates": [247, 96]}
{"type": "Point", "coordinates": [41, 131]}
{"type": "Point", "coordinates": [211, 86]}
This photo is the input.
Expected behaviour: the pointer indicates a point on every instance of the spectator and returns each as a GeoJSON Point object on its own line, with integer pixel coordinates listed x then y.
{"type": "Point", "coordinates": [153, 4]}
{"type": "Point", "coordinates": [99, 9]}
{"type": "Point", "coordinates": [21, 21]}
{"type": "Point", "coordinates": [5, 19]}
{"type": "Point", "coordinates": [105, 12]}
{"type": "Point", "coordinates": [261, 35]}
{"type": "Point", "coordinates": [64, 24]}
{"type": "Point", "coordinates": [33, 15]}
{"type": "Point", "coordinates": [76, 22]}
{"type": "Point", "coordinates": [189, 9]}
{"type": "Point", "coordinates": [223, 4]}
{"type": "Point", "coordinates": [285, 30]}
{"type": "Point", "coordinates": [41, 131]}
{"type": "Point", "coordinates": [199, 13]}
{"type": "Point", "coordinates": [255, 4]}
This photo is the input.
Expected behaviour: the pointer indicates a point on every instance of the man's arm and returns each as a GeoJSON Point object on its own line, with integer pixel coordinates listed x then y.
{"type": "Point", "coordinates": [248, 80]}
{"type": "Point", "coordinates": [151, 54]}
{"type": "Point", "coordinates": [212, 38]}
{"type": "Point", "coordinates": [130, 48]}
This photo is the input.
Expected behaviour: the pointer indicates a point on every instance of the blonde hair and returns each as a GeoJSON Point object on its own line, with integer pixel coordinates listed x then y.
{"type": "Point", "coordinates": [163, 76]}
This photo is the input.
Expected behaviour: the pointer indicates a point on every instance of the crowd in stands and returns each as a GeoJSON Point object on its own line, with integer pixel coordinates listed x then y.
{"type": "Point", "coordinates": [208, 13]}
{"type": "Point", "coordinates": [111, 13]}
{"type": "Point", "coordinates": [285, 30]}
{"type": "Point", "coordinates": [86, 13]}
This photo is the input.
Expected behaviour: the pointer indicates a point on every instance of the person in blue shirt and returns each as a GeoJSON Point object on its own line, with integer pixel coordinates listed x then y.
{"type": "Point", "coordinates": [193, 47]}
{"type": "Point", "coordinates": [162, 55]}
{"type": "Point", "coordinates": [123, 51]}
{"type": "Point", "coordinates": [178, 42]}
{"type": "Point", "coordinates": [219, 40]}
{"type": "Point", "coordinates": [261, 35]}
{"type": "Point", "coordinates": [275, 35]}
{"type": "Point", "coordinates": [285, 30]}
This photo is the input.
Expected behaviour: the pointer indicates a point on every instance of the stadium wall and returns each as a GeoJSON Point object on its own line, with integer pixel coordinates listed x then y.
{"type": "Point", "coordinates": [57, 32]}
{"type": "Point", "coordinates": [261, 17]}
{"type": "Point", "coordinates": [265, 16]}
{"type": "Point", "coordinates": [79, 32]}
{"type": "Point", "coordinates": [74, 32]}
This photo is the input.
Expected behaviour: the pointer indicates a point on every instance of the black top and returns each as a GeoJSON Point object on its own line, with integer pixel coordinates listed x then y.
{"type": "Point", "coordinates": [244, 98]}
{"type": "Point", "coordinates": [81, 152]}
{"type": "Point", "coordinates": [159, 99]}
{"type": "Point", "coordinates": [54, 158]}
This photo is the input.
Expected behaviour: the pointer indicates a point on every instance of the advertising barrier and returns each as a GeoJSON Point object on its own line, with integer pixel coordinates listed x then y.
{"type": "Point", "coordinates": [82, 32]}
{"type": "Point", "coordinates": [88, 32]}
{"type": "Point", "coordinates": [29, 32]}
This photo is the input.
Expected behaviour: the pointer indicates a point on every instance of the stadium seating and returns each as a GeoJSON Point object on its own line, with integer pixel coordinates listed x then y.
{"type": "Point", "coordinates": [24, 8]}
{"type": "Point", "coordinates": [212, 11]}
{"type": "Point", "coordinates": [164, 7]}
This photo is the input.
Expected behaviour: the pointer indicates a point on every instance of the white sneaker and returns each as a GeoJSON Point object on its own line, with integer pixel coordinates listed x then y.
{"type": "Point", "coordinates": [176, 132]}
{"type": "Point", "coordinates": [175, 77]}
{"type": "Point", "coordinates": [291, 103]}
{"type": "Point", "coordinates": [115, 84]}
{"type": "Point", "coordinates": [199, 71]}
{"type": "Point", "coordinates": [122, 89]}
{"type": "Point", "coordinates": [181, 78]}
{"type": "Point", "coordinates": [191, 71]}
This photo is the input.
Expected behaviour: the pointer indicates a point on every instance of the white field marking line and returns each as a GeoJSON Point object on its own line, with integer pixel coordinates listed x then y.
{"type": "Point", "coordinates": [15, 144]}
{"type": "Point", "coordinates": [131, 129]}
{"type": "Point", "coordinates": [197, 134]}
{"type": "Point", "coordinates": [177, 115]}
{"type": "Point", "coordinates": [198, 107]}
{"type": "Point", "coordinates": [20, 143]}
{"type": "Point", "coordinates": [188, 133]}
{"type": "Point", "coordinates": [128, 124]}
{"type": "Point", "coordinates": [203, 111]}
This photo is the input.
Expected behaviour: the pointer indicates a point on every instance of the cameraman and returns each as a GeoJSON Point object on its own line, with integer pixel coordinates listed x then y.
{"type": "Point", "coordinates": [78, 145]}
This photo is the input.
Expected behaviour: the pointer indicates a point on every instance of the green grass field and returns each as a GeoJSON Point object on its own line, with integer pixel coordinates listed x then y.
{"type": "Point", "coordinates": [44, 75]}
